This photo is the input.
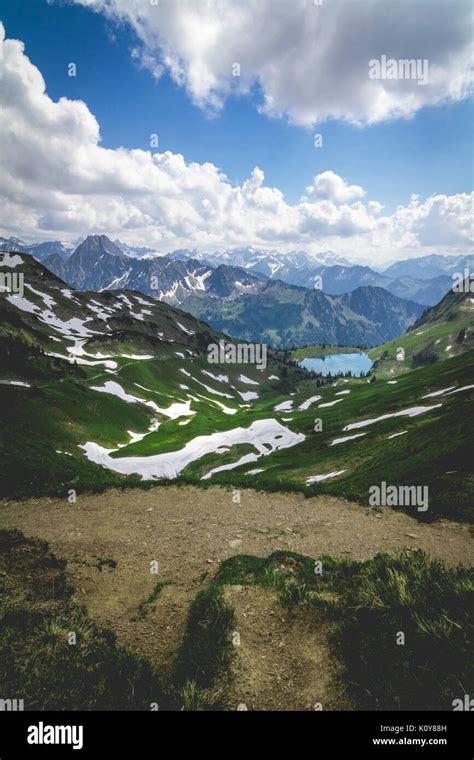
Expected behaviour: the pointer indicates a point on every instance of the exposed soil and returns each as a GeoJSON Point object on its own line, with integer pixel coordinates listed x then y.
{"type": "Point", "coordinates": [283, 661]}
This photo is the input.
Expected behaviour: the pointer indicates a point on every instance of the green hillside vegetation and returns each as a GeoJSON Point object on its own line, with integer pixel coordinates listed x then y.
{"type": "Point", "coordinates": [322, 349]}
{"type": "Point", "coordinates": [444, 331]}
{"type": "Point", "coordinates": [285, 315]}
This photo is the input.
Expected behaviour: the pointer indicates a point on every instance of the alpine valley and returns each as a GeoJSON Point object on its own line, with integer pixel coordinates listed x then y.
{"type": "Point", "coordinates": [105, 387]}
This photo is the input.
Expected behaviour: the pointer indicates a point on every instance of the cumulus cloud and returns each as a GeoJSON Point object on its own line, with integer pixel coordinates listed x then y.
{"type": "Point", "coordinates": [330, 186]}
{"type": "Point", "coordinates": [310, 62]}
{"type": "Point", "coordinates": [58, 181]}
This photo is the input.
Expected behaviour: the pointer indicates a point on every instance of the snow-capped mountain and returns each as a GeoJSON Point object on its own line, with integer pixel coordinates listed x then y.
{"type": "Point", "coordinates": [179, 274]}
{"type": "Point", "coordinates": [99, 264]}
{"type": "Point", "coordinates": [11, 244]}
{"type": "Point", "coordinates": [136, 252]}
{"type": "Point", "coordinates": [294, 267]}
{"type": "Point", "coordinates": [40, 251]}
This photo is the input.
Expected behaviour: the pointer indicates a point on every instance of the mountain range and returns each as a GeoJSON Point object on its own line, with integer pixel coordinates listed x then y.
{"type": "Point", "coordinates": [237, 301]}
{"type": "Point", "coordinates": [424, 280]}
{"type": "Point", "coordinates": [180, 273]}
{"type": "Point", "coordinates": [286, 315]}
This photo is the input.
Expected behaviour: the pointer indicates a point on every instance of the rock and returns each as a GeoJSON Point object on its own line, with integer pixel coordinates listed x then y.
{"type": "Point", "coordinates": [242, 707]}
{"type": "Point", "coordinates": [411, 535]}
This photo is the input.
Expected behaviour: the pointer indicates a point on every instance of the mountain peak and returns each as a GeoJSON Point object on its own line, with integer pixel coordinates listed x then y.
{"type": "Point", "coordinates": [98, 244]}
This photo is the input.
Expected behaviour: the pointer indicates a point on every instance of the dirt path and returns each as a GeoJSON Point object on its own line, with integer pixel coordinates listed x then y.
{"type": "Point", "coordinates": [188, 531]}
{"type": "Point", "coordinates": [283, 660]}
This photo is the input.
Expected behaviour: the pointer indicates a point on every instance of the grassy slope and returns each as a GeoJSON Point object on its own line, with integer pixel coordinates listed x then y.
{"type": "Point", "coordinates": [434, 444]}
{"type": "Point", "coordinates": [442, 332]}
{"type": "Point", "coordinates": [57, 415]}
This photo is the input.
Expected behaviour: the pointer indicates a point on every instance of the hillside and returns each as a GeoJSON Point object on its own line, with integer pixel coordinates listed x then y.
{"type": "Point", "coordinates": [442, 332]}
{"type": "Point", "coordinates": [110, 367]}
{"type": "Point", "coordinates": [285, 315]}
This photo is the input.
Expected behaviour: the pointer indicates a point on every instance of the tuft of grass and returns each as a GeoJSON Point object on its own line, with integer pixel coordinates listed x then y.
{"type": "Point", "coordinates": [415, 595]}
{"type": "Point", "coordinates": [369, 604]}
{"type": "Point", "coordinates": [193, 698]}
{"type": "Point", "coordinates": [153, 596]}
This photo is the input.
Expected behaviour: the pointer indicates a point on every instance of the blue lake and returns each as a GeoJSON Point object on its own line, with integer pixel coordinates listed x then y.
{"type": "Point", "coordinates": [335, 363]}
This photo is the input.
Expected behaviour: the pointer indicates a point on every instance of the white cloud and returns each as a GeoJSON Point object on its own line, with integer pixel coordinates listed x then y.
{"type": "Point", "coordinates": [310, 61]}
{"type": "Point", "coordinates": [375, 207]}
{"type": "Point", "coordinates": [330, 186]}
{"type": "Point", "coordinates": [59, 182]}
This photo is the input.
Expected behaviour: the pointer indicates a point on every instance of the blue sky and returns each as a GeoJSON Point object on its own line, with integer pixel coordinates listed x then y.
{"type": "Point", "coordinates": [384, 143]}
{"type": "Point", "coordinates": [425, 154]}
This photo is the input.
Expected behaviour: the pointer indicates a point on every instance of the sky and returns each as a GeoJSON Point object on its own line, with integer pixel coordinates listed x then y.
{"type": "Point", "coordinates": [156, 141]}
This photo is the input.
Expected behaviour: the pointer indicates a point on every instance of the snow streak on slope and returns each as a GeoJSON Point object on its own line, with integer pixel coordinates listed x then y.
{"type": "Point", "coordinates": [261, 434]}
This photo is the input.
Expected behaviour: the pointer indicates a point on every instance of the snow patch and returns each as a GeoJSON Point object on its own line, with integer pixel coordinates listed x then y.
{"type": "Point", "coordinates": [317, 478]}
{"type": "Point", "coordinates": [248, 395]}
{"type": "Point", "coordinates": [247, 380]}
{"type": "Point", "coordinates": [185, 329]}
{"type": "Point", "coordinates": [346, 438]}
{"type": "Point", "coordinates": [10, 261]}
{"type": "Point", "coordinates": [285, 406]}
{"type": "Point", "coordinates": [306, 404]}
{"type": "Point", "coordinates": [261, 434]}
{"type": "Point", "coordinates": [413, 411]}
